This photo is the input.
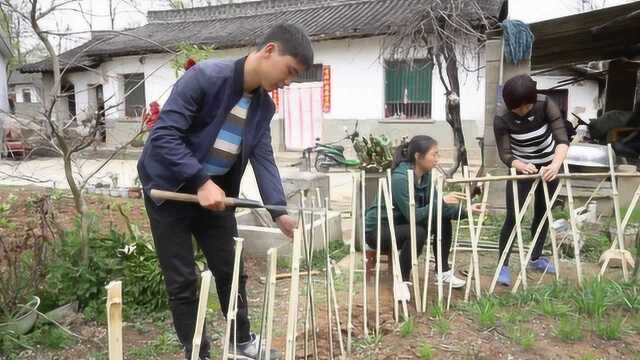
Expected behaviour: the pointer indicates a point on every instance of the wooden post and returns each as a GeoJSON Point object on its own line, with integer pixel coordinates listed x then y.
{"type": "Point", "coordinates": [398, 284]}
{"type": "Point", "coordinates": [575, 232]}
{"type": "Point", "coordinates": [232, 308]}
{"type": "Point", "coordinates": [519, 216]}
{"type": "Point", "coordinates": [475, 260]}
{"type": "Point", "coordinates": [292, 317]}
{"type": "Point", "coordinates": [352, 257]}
{"type": "Point", "coordinates": [415, 268]}
{"type": "Point", "coordinates": [271, 286]}
{"type": "Point", "coordinates": [363, 208]}
{"type": "Point", "coordinates": [439, 240]}
{"type": "Point", "coordinates": [552, 233]}
{"type": "Point", "coordinates": [616, 209]}
{"type": "Point", "coordinates": [378, 249]}
{"type": "Point", "coordinates": [114, 319]}
{"type": "Point", "coordinates": [428, 244]}
{"type": "Point", "coordinates": [474, 233]}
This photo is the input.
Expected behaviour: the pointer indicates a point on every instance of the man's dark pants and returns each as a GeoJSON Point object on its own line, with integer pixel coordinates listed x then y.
{"type": "Point", "coordinates": [172, 226]}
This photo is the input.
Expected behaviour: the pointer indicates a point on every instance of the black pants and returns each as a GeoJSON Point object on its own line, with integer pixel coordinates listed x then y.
{"type": "Point", "coordinates": [403, 242]}
{"type": "Point", "coordinates": [172, 227]}
{"type": "Point", "coordinates": [539, 209]}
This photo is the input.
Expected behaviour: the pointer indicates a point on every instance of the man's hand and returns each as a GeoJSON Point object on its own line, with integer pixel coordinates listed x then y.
{"type": "Point", "coordinates": [211, 196]}
{"type": "Point", "coordinates": [523, 167]}
{"type": "Point", "coordinates": [549, 173]}
{"type": "Point", "coordinates": [476, 208]}
{"type": "Point", "coordinates": [454, 197]}
{"type": "Point", "coordinates": [286, 224]}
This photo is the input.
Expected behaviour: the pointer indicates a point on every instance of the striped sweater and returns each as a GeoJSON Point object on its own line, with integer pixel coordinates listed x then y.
{"type": "Point", "coordinates": [531, 138]}
{"type": "Point", "coordinates": [228, 142]}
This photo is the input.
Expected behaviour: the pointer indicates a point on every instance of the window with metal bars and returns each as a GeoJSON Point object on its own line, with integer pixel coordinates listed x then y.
{"type": "Point", "coordinates": [134, 101]}
{"type": "Point", "coordinates": [312, 74]}
{"type": "Point", "coordinates": [407, 89]}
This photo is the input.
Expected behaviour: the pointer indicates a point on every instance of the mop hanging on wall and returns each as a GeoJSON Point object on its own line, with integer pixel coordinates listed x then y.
{"type": "Point", "coordinates": [518, 40]}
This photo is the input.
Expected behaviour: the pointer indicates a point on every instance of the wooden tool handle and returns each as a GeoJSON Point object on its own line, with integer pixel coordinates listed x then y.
{"type": "Point", "coordinates": [228, 202]}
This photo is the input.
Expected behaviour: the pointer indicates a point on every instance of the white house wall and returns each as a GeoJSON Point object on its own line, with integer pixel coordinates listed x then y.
{"type": "Point", "coordinates": [583, 96]}
{"type": "Point", "coordinates": [357, 92]}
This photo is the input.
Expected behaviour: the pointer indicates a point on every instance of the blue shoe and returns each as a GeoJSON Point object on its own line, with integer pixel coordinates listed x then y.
{"type": "Point", "coordinates": [505, 276]}
{"type": "Point", "coordinates": [541, 264]}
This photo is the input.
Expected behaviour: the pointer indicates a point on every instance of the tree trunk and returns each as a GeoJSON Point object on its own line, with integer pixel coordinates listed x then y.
{"type": "Point", "coordinates": [453, 116]}
{"type": "Point", "coordinates": [80, 207]}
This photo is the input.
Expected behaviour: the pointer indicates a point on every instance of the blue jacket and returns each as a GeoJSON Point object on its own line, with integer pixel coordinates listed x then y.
{"type": "Point", "coordinates": [189, 122]}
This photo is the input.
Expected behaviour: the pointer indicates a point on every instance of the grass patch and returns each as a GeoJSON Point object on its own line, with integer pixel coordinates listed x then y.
{"type": "Point", "coordinates": [568, 329]}
{"type": "Point", "coordinates": [485, 312]}
{"type": "Point", "coordinates": [442, 326]}
{"type": "Point", "coordinates": [424, 351]}
{"type": "Point", "coordinates": [552, 308]}
{"type": "Point", "coordinates": [163, 344]}
{"type": "Point", "coordinates": [407, 328]}
{"type": "Point", "coordinates": [437, 312]}
{"type": "Point", "coordinates": [593, 300]}
{"type": "Point", "coordinates": [523, 336]}
{"type": "Point", "coordinates": [610, 329]}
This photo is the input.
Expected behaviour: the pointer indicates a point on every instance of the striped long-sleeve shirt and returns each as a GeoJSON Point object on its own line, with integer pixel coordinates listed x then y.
{"type": "Point", "coordinates": [531, 138]}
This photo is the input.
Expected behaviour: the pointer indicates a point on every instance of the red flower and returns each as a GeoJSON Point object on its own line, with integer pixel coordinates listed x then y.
{"type": "Point", "coordinates": [150, 118]}
{"type": "Point", "coordinates": [189, 63]}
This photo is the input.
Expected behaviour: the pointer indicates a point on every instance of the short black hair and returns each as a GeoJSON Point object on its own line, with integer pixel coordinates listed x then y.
{"type": "Point", "coordinates": [519, 90]}
{"type": "Point", "coordinates": [293, 41]}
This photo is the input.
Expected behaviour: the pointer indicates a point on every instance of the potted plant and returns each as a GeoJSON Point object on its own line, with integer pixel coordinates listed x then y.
{"type": "Point", "coordinates": [24, 319]}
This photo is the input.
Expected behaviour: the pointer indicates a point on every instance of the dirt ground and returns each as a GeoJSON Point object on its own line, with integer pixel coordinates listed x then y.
{"type": "Point", "coordinates": [465, 339]}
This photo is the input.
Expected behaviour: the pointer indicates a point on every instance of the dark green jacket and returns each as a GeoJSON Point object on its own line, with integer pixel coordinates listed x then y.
{"type": "Point", "coordinates": [400, 195]}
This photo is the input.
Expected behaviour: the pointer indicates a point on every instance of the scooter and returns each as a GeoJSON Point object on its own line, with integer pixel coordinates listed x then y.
{"type": "Point", "coordinates": [330, 155]}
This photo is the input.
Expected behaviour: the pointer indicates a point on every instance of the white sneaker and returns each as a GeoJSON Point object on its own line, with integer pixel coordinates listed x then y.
{"type": "Point", "coordinates": [448, 277]}
{"type": "Point", "coordinates": [401, 291]}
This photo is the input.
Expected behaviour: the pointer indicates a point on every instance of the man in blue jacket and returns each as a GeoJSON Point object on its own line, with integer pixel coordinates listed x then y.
{"type": "Point", "coordinates": [216, 119]}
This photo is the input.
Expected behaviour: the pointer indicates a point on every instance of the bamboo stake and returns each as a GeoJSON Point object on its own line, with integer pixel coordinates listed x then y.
{"type": "Point", "coordinates": [574, 227]}
{"type": "Point", "coordinates": [632, 205]}
{"type": "Point", "coordinates": [519, 217]}
{"type": "Point", "coordinates": [516, 201]}
{"type": "Point", "coordinates": [415, 268]}
{"type": "Point", "coordinates": [428, 244]}
{"type": "Point", "coordinates": [439, 240]}
{"type": "Point", "coordinates": [331, 281]}
{"type": "Point", "coordinates": [616, 209]}
{"type": "Point", "coordinates": [473, 232]}
{"type": "Point", "coordinates": [535, 176]}
{"type": "Point", "coordinates": [552, 233]}
{"type": "Point", "coordinates": [232, 308]}
{"type": "Point", "coordinates": [474, 265]}
{"type": "Point", "coordinates": [310, 316]}
{"type": "Point", "coordinates": [389, 205]}
{"type": "Point", "coordinates": [397, 277]}
{"type": "Point", "coordinates": [312, 296]}
{"type": "Point", "coordinates": [271, 283]}
{"type": "Point", "coordinates": [325, 242]}
{"type": "Point", "coordinates": [453, 259]}
{"type": "Point", "coordinates": [114, 319]}
{"type": "Point", "coordinates": [363, 208]}
{"type": "Point", "coordinates": [378, 249]}
{"type": "Point", "coordinates": [352, 258]}
{"type": "Point", "coordinates": [292, 318]}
